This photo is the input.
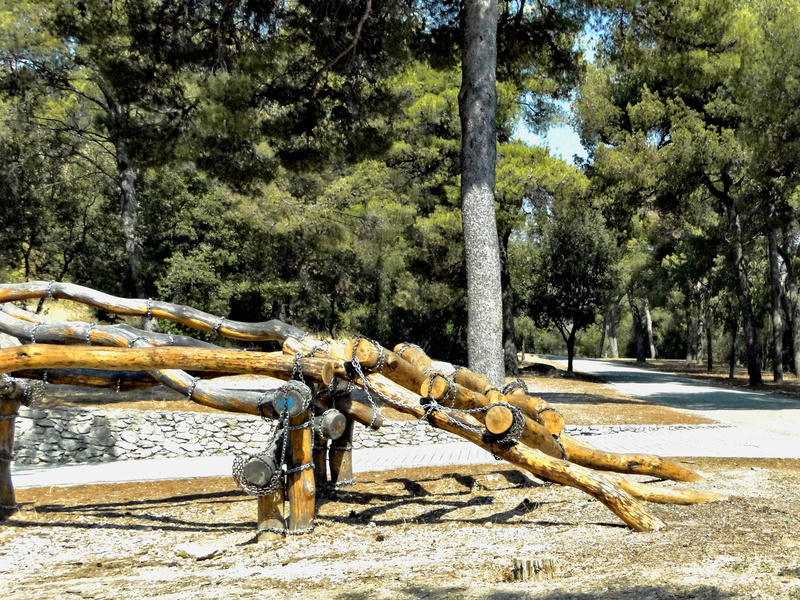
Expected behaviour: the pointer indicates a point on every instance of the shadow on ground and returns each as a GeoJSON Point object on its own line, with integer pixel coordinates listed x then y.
{"type": "Point", "coordinates": [632, 593]}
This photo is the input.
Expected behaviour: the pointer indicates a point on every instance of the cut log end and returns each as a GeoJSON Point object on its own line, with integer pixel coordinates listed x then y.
{"type": "Point", "coordinates": [499, 419]}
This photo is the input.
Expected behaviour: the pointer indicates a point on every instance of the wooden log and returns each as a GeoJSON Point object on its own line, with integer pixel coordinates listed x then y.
{"type": "Point", "coordinates": [343, 402]}
{"type": "Point", "coordinates": [537, 463]}
{"type": "Point", "coordinates": [271, 523]}
{"type": "Point", "coordinates": [191, 317]}
{"type": "Point", "coordinates": [395, 368]}
{"type": "Point", "coordinates": [10, 398]}
{"type": "Point", "coordinates": [320, 454]}
{"type": "Point", "coordinates": [499, 419]}
{"type": "Point", "coordinates": [276, 364]}
{"type": "Point", "coordinates": [18, 323]}
{"type": "Point", "coordinates": [300, 488]}
{"type": "Point", "coordinates": [293, 399]}
{"type": "Point", "coordinates": [589, 456]}
{"type": "Point", "coordinates": [663, 495]}
{"type": "Point", "coordinates": [123, 381]}
{"type": "Point", "coordinates": [340, 458]}
{"type": "Point", "coordinates": [309, 346]}
{"type": "Point", "coordinates": [260, 469]}
{"type": "Point", "coordinates": [534, 408]}
{"type": "Point", "coordinates": [330, 425]}
{"type": "Point", "coordinates": [414, 355]}
{"type": "Point", "coordinates": [534, 569]}
{"type": "Point", "coordinates": [534, 435]}
{"type": "Point", "coordinates": [538, 409]}
{"type": "Point", "coordinates": [355, 410]}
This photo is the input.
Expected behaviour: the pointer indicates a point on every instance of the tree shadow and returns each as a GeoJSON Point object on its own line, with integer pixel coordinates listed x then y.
{"type": "Point", "coordinates": [102, 514]}
{"type": "Point", "coordinates": [651, 592]}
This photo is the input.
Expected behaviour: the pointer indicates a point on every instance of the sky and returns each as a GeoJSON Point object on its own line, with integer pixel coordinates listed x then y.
{"type": "Point", "coordinates": [562, 141]}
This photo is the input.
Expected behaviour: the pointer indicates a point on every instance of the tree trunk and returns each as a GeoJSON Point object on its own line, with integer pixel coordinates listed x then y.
{"type": "Point", "coordinates": [649, 322]}
{"type": "Point", "coordinates": [775, 300]}
{"type": "Point", "coordinates": [690, 331]}
{"type": "Point", "coordinates": [638, 330]}
{"type": "Point", "coordinates": [570, 339]}
{"type": "Point", "coordinates": [602, 345]}
{"type": "Point", "coordinates": [734, 349]}
{"type": "Point", "coordinates": [709, 348]}
{"type": "Point", "coordinates": [792, 298]}
{"type": "Point", "coordinates": [700, 336]}
{"type": "Point", "coordinates": [129, 181]}
{"type": "Point", "coordinates": [743, 289]}
{"type": "Point", "coordinates": [509, 331]}
{"type": "Point", "coordinates": [477, 102]}
{"type": "Point", "coordinates": [613, 320]}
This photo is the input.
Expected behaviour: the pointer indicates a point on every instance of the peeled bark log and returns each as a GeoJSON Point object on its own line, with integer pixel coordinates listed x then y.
{"type": "Point", "coordinates": [534, 435]}
{"type": "Point", "coordinates": [395, 368]}
{"type": "Point", "coordinates": [230, 361]}
{"type": "Point", "coordinates": [300, 488]}
{"type": "Point", "coordinates": [340, 458]}
{"type": "Point", "coordinates": [9, 407]}
{"type": "Point", "coordinates": [270, 516]}
{"type": "Point", "coordinates": [537, 463]}
{"type": "Point", "coordinates": [663, 495]}
{"type": "Point", "coordinates": [587, 455]}
{"type": "Point", "coordinates": [191, 317]}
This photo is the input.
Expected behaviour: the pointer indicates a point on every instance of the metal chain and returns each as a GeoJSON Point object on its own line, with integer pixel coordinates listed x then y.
{"type": "Point", "coordinates": [89, 333]}
{"type": "Point", "coordinates": [191, 387]}
{"type": "Point", "coordinates": [283, 531]}
{"type": "Point", "coordinates": [136, 339]}
{"type": "Point", "coordinates": [33, 331]}
{"type": "Point", "coordinates": [149, 313]}
{"type": "Point", "coordinates": [514, 385]}
{"type": "Point", "coordinates": [50, 289]}
{"type": "Point", "coordinates": [218, 324]}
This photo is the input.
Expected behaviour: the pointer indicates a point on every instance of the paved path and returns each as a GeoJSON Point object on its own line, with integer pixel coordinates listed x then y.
{"type": "Point", "coordinates": [758, 426]}
{"type": "Point", "coordinates": [772, 413]}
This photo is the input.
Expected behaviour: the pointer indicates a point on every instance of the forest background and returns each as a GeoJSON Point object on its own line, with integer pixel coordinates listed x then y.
{"type": "Point", "coordinates": [300, 160]}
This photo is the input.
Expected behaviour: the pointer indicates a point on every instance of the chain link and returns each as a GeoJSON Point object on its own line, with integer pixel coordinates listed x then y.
{"type": "Point", "coordinates": [218, 324]}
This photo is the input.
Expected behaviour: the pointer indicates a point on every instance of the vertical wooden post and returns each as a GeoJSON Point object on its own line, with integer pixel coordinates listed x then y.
{"type": "Point", "coordinates": [270, 516]}
{"type": "Point", "coordinates": [341, 457]}
{"type": "Point", "coordinates": [300, 488]}
{"type": "Point", "coordinates": [8, 413]}
{"type": "Point", "coordinates": [320, 461]}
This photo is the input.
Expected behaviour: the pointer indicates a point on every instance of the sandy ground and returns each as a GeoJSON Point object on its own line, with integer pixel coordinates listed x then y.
{"type": "Point", "coordinates": [421, 533]}
{"type": "Point", "coordinates": [441, 533]}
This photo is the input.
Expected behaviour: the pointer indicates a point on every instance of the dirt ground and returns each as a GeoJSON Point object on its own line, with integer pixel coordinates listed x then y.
{"type": "Point", "coordinates": [439, 533]}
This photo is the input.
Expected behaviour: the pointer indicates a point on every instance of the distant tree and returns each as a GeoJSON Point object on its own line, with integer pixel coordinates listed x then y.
{"type": "Point", "coordinates": [573, 274]}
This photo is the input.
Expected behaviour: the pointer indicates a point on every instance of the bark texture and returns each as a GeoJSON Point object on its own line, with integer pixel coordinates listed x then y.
{"type": "Point", "coordinates": [478, 107]}
{"type": "Point", "coordinates": [775, 298]}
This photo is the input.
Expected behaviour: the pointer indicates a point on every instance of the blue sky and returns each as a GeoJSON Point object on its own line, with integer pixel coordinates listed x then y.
{"type": "Point", "coordinates": [562, 141]}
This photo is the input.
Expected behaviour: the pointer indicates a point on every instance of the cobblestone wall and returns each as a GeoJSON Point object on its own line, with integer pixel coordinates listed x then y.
{"type": "Point", "coordinates": [79, 435]}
